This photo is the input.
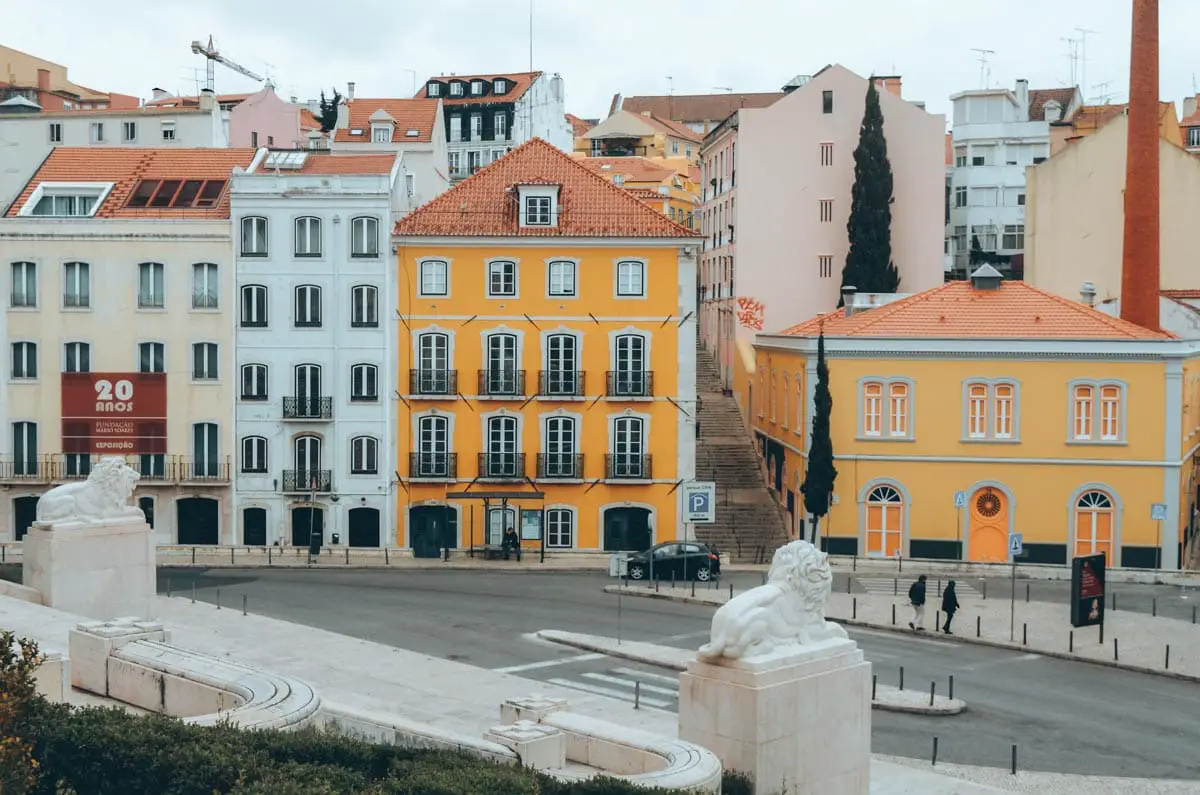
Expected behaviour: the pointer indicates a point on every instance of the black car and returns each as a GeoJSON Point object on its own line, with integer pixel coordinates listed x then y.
{"type": "Point", "coordinates": [679, 560]}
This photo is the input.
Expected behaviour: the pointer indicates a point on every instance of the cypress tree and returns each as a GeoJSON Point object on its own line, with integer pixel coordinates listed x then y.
{"type": "Point", "coordinates": [869, 265]}
{"type": "Point", "coordinates": [328, 111]}
{"type": "Point", "coordinates": [818, 479]}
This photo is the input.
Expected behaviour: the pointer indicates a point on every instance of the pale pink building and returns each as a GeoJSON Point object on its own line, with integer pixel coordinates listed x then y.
{"type": "Point", "coordinates": [263, 119]}
{"type": "Point", "coordinates": [776, 200]}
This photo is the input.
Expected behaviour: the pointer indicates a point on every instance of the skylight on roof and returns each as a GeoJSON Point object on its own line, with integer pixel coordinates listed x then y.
{"type": "Point", "coordinates": [412, 133]}
{"type": "Point", "coordinates": [290, 160]}
{"type": "Point", "coordinates": [191, 194]}
{"type": "Point", "coordinates": [356, 131]}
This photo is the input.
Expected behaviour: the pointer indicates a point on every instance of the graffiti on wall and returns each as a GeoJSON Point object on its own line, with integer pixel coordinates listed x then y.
{"type": "Point", "coordinates": [750, 313]}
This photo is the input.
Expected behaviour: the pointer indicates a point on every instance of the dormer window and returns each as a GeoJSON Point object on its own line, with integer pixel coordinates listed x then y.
{"type": "Point", "coordinates": [500, 86]}
{"type": "Point", "coordinates": [456, 89]}
{"type": "Point", "coordinates": [381, 133]}
{"type": "Point", "coordinates": [539, 205]}
{"type": "Point", "coordinates": [66, 199]}
{"type": "Point", "coordinates": [434, 90]}
{"type": "Point", "coordinates": [476, 88]}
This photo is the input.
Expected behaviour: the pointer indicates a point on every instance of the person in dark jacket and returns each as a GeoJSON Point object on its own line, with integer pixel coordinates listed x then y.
{"type": "Point", "coordinates": [511, 543]}
{"type": "Point", "coordinates": [949, 605]}
{"type": "Point", "coordinates": [916, 597]}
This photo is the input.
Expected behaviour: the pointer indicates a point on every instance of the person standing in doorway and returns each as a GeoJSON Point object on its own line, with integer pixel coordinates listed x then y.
{"type": "Point", "coordinates": [949, 605]}
{"type": "Point", "coordinates": [916, 597]}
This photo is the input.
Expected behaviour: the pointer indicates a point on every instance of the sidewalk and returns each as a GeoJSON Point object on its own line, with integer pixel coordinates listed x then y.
{"type": "Point", "coordinates": [910, 568]}
{"type": "Point", "coordinates": [1132, 641]}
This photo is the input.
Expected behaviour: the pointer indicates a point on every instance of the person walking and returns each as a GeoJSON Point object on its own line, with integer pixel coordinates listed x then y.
{"type": "Point", "coordinates": [916, 597]}
{"type": "Point", "coordinates": [949, 605]}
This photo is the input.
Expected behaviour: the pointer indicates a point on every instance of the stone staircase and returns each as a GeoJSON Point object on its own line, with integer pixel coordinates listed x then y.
{"type": "Point", "coordinates": [750, 524]}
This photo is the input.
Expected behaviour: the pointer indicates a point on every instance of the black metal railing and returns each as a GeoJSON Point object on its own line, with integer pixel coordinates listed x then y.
{"type": "Point", "coordinates": [554, 466]}
{"type": "Point", "coordinates": [433, 382]}
{"type": "Point", "coordinates": [630, 383]}
{"type": "Point", "coordinates": [151, 468]}
{"type": "Point", "coordinates": [561, 383]}
{"type": "Point", "coordinates": [433, 466]}
{"type": "Point", "coordinates": [32, 469]}
{"type": "Point", "coordinates": [502, 466]}
{"type": "Point", "coordinates": [628, 467]}
{"type": "Point", "coordinates": [305, 481]}
{"type": "Point", "coordinates": [502, 383]}
{"type": "Point", "coordinates": [201, 469]}
{"type": "Point", "coordinates": [307, 408]}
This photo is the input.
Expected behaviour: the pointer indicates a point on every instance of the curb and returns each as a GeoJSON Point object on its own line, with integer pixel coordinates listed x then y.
{"type": "Point", "coordinates": [946, 708]}
{"type": "Point", "coordinates": [995, 644]}
{"type": "Point", "coordinates": [541, 569]}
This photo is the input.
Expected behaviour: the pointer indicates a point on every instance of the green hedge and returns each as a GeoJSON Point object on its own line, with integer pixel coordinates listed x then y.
{"type": "Point", "coordinates": [111, 752]}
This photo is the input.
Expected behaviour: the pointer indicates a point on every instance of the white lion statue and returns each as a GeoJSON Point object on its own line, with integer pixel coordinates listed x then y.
{"type": "Point", "coordinates": [104, 495]}
{"type": "Point", "coordinates": [788, 610]}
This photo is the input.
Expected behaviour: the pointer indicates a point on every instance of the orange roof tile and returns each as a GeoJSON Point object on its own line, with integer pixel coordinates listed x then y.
{"type": "Point", "coordinates": [195, 100]}
{"type": "Point", "coordinates": [521, 81]}
{"type": "Point", "coordinates": [672, 128]}
{"type": "Point", "coordinates": [949, 149]}
{"type": "Point", "coordinates": [483, 205]}
{"type": "Point", "coordinates": [647, 194]}
{"type": "Point", "coordinates": [1038, 97]}
{"type": "Point", "coordinates": [956, 310]}
{"type": "Point", "coordinates": [578, 126]}
{"type": "Point", "coordinates": [348, 164]}
{"type": "Point", "coordinates": [308, 121]}
{"type": "Point", "coordinates": [633, 168]}
{"type": "Point", "coordinates": [410, 114]}
{"type": "Point", "coordinates": [126, 167]}
{"type": "Point", "coordinates": [698, 107]}
{"type": "Point", "coordinates": [1181, 294]}
{"type": "Point", "coordinates": [142, 111]}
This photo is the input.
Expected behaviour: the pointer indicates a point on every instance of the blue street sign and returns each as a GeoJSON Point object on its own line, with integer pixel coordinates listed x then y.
{"type": "Point", "coordinates": [700, 502]}
{"type": "Point", "coordinates": [1016, 544]}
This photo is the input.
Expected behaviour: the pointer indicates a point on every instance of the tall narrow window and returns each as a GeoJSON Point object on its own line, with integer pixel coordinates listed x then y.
{"type": "Point", "coordinates": [898, 409]}
{"type": "Point", "coordinates": [24, 360]}
{"type": "Point", "coordinates": [628, 455]}
{"type": "Point", "coordinates": [872, 411]}
{"type": "Point", "coordinates": [151, 294]}
{"type": "Point", "coordinates": [1003, 410]}
{"type": "Point", "coordinates": [560, 442]}
{"type": "Point", "coordinates": [24, 284]}
{"type": "Point", "coordinates": [254, 306]}
{"type": "Point", "coordinates": [204, 286]}
{"type": "Point", "coordinates": [502, 279]}
{"type": "Point", "coordinates": [826, 210]}
{"type": "Point", "coordinates": [364, 383]}
{"type": "Point", "coordinates": [1094, 523]}
{"type": "Point", "coordinates": [434, 278]}
{"type": "Point", "coordinates": [364, 310]}
{"type": "Point", "coordinates": [205, 456]}
{"type": "Point", "coordinates": [433, 448]}
{"type": "Point", "coordinates": [1084, 405]}
{"type": "Point", "coordinates": [254, 236]}
{"type": "Point", "coordinates": [785, 392]}
{"type": "Point", "coordinates": [827, 102]}
{"type": "Point", "coordinates": [25, 449]}
{"type": "Point", "coordinates": [560, 526]}
{"type": "Point", "coordinates": [562, 374]}
{"type": "Point", "coordinates": [254, 382]}
{"type": "Point", "coordinates": [308, 306]}
{"type": "Point", "coordinates": [77, 292]}
{"type": "Point", "coordinates": [204, 361]}
{"type": "Point", "coordinates": [1110, 413]}
{"type": "Point", "coordinates": [630, 378]}
{"type": "Point", "coordinates": [308, 237]}
{"type": "Point", "coordinates": [308, 390]}
{"type": "Point", "coordinates": [364, 237]}
{"type": "Point", "coordinates": [364, 456]}
{"type": "Point", "coordinates": [254, 455]}
{"type": "Point", "coordinates": [502, 374]}
{"type": "Point", "coordinates": [826, 150]}
{"type": "Point", "coordinates": [307, 457]}
{"type": "Point", "coordinates": [152, 357]}
{"type": "Point", "coordinates": [977, 400]}
{"type": "Point", "coordinates": [502, 460]}
{"type": "Point", "coordinates": [433, 364]}
{"type": "Point", "coordinates": [77, 357]}
{"type": "Point", "coordinates": [501, 126]}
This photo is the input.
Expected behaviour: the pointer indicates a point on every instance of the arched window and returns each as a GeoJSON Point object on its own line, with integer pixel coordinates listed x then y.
{"type": "Point", "coordinates": [762, 392]}
{"type": "Point", "coordinates": [774, 396]}
{"type": "Point", "coordinates": [1095, 524]}
{"type": "Point", "coordinates": [364, 237]}
{"type": "Point", "coordinates": [799, 427]}
{"type": "Point", "coordinates": [308, 237]}
{"type": "Point", "coordinates": [885, 521]}
{"type": "Point", "coordinates": [254, 454]}
{"type": "Point", "coordinates": [254, 306]}
{"type": "Point", "coordinates": [364, 455]}
{"type": "Point", "coordinates": [364, 306]}
{"type": "Point", "coordinates": [785, 393]}
{"type": "Point", "coordinates": [1083, 411]}
{"type": "Point", "coordinates": [254, 236]}
{"type": "Point", "coordinates": [898, 409]}
{"type": "Point", "coordinates": [872, 412]}
{"type": "Point", "coordinates": [977, 400]}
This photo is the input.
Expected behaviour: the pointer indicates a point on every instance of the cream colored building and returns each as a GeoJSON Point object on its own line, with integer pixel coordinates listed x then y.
{"type": "Point", "coordinates": [121, 261]}
{"type": "Point", "coordinates": [1075, 216]}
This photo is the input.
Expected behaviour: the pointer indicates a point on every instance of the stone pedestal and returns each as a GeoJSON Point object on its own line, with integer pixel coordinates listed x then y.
{"type": "Point", "coordinates": [797, 720]}
{"type": "Point", "coordinates": [537, 746]}
{"type": "Point", "coordinates": [100, 570]}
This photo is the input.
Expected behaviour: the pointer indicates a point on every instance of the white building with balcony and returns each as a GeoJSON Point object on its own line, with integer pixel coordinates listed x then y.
{"type": "Point", "coordinates": [997, 134]}
{"type": "Point", "coordinates": [316, 287]}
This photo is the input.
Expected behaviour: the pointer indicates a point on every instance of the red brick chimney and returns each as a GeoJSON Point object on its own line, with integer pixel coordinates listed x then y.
{"type": "Point", "coordinates": [1140, 257]}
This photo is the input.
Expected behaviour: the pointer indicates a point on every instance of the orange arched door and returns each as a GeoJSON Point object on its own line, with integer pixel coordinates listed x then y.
{"type": "Point", "coordinates": [988, 526]}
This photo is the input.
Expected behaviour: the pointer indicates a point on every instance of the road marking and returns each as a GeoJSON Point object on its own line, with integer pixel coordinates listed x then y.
{"type": "Point", "coordinates": [620, 695]}
{"type": "Point", "coordinates": [899, 637]}
{"type": "Point", "coordinates": [612, 680]}
{"type": "Point", "coordinates": [671, 681]}
{"type": "Point", "coordinates": [512, 669]}
{"type": "Point", "coordinates": [993, 663]}
{"type": "Point", "coordinates": [685, 636]}
{"type": "Point", "coordinates": [882, 586]}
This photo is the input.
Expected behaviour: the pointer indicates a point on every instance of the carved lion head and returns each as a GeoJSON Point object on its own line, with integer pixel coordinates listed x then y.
{"type": "Point", "coordinates": [801, 567]}
{"type": "Point", "coordinates": [115, 477]}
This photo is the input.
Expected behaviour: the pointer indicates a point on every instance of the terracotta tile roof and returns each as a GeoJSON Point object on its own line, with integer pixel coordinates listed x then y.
{"type": "Point", "coordinates": [348, 164]}
{"type": "Point", "coordinates": [672, 128]}
{"type": "Point", "coordinates": [126, 167]}
{"type": "Point", "coordinates": [1090, 118]}
{"type": "Point", "coordinates": [142, 111]}
{"type": "Point", "coordinates": [579, 126]}
{"type": "Point", "coordinates": [949, 149]}
{"type": "Point", "coordinates": [634, 169]}
{"type": "Point", "coordinates": [1181, 294]}
{"type": "Point", "coordinates": [956, 310]}
{"type": "Point", "coordinates": [483, 205]}
{"type": "Point", "coordinates": [647, 194]}
{"type": "Point", "coordinates": [699, 107]}
{"type": "Point", "coordinates": [308, 121]}
{"type": "Point", "coordinates": [1038, 97]}
{"type": "Point", "coordinates": [521, 81]}
{"type": "Point", "coordinates": [195, 100]}
{"type": "Point", "coordinates": [410, 114]}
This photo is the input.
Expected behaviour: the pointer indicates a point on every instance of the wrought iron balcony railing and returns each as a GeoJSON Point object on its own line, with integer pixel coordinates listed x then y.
{"type": "Point", "coordinates": [502, 383]}
{"type": "Point", "coordinates": [555, 466]}
{"type": "Point", "coordinates": [433, 466]}
{"type": "Point", "coordinates": [628, 467]}
{"type": "Point", "coordinates": [561, 383]}
{"type": "Point", "coordinates": [630, 383]}
{"type": "Point", "coordinates": [307, 408]}
{"type": "Point", "coordinates": [433, 382]}
{"type": "Point", "coordinates": [307, 481]}
{"type": "Point", "coordinates": [502, 466]}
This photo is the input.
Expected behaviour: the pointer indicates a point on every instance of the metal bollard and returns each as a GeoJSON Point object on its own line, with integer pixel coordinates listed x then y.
{"type": "Point", "coordinates": [952, 686]}
{"type": "Point", "coordinates": [1114, 600]}
{"type": "Point", "coordinates": [854, 563]}
{"type": "Point", "coordinates": [937, 619]}
{"type": "Point", "coordinates": [693, 587]}
{"type": "Point", "coordinates": [168, 587]}
{"type": "Point", "coordinates": [730, 590]}
{"type": "Point", "coordinates": [656, 585]}
{"type": "Point", "coordinates": [1101, 633]}
{"type": "Point", "coordinates": [1116, 651]}
{"type": "Point", "coordinates": [899, 563]}
{"type": "Point", "coordinates": [874, 685]}
{"type": "Point", "coordinates": [637, 695]}
{"type": "Point", "coordinates": [1167, 661]}
{"type": "Point", "coordinates": [1193, 614]}
{"type": "Point", "coordinates": [895, 586]}
{"type": "Point", "coordinates": [1154, 607]}
{"type": "Point", "coordinates": [386, 558]}
{"type": "Point", "coordinates": [193, 592]}
{"type": "Point", "coordinates": [934, 760]}
{"type": "Point", "coordinates": [847, 585]}
{"type": "Point", "coordinates": [347, 556]}
{"type": "Point", "coordinates": [672, 580]}
{"type": "Point", "coordinates": [1026, 592]}
{"type": "Point", "coordinates": [231, 555]}
{"type": "Point", "coordinates": [901, 677]}
{"type": "Point", "coordinates": [1071, 642]}
{"type": "Point", "coordinates": [893, 614]}
{"type": "Point", "coordinates": [1014, 759]}
{"type": "Point", "coordinates": [932, 691]}
{"type": "Point", "coordinates": [939, 585]}
{"type": "Point", "coordinates": [854, 608]}
{"type": "Point", "coordinates": [268, 556]}
{"type": "Point", "coordinates": [977, 626]}
{"type": "Point", "coordinates": [193, 556]}
{"type": "Point", "coordinates": [985, 590]}
{"type": "Point", "coordinates": [243, 604]}
{"type": "Point", "coordinates": [1024, 634]}
{"type": "Point", "coordinates": [218, 598]}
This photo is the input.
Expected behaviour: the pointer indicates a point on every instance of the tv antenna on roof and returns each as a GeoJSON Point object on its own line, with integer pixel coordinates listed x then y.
{"type": "Point", "coordinates": [1105, 96]}
{"type": "Point", "coordinates": [985, 73]}
{"type": "Point", "coordinates": [1073, 60]}
{"type": "Point", "coordinates": [1083, 37]}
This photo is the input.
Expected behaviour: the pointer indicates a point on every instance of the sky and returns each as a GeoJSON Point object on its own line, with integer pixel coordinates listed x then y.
{"type": "Point", "coordinates": [612, 46]}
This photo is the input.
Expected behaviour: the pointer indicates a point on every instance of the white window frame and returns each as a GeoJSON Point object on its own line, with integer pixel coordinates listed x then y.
{"type": "Point", "coordinates": [206, 292]}
{"type": "Point", "coordinates": [364, 306]}
{"type": "Point", "coordinates": [456, 129]}
{"type": "Point", "coordinates": [364, 455]}
{"type": "Point", "coordinates": [433, 89]}
{"type": "Point", "coordinates": [167, 131]}
{"type": "Point", "coordinates": [625, 286]}
{"type": "Point", "coordinates": [381, 133]}
{"type": "Point", "coordinates": [206, 358]}
{"type": "Point", "coordinates": [500, 126]}
{"type": "Point", "coordinates": [96, 132]}
{"type": "Point", "coordinates": [364, 237]}
{"type": "Point", "coordinates": [129, 131]}
{"type": "Point", "coordinates": [311, 306]}
{"type": "Point", "coordinates": [96, 192]}
{"type": "Point", "coordinates": [368, 375]}
{"type": "Point", "coordinates": [77, 285]}
{"type": "Point", "coordinates": [154, 354]}
{"type": "Point", "coordinates": [24, 355]}
{"type": "Point", "coordinates": [25, 273]}
{"type": "Point", "coordinates": [259, 375]}
{"type": "Point", "coordinates": [55, 132]}
{"type": "Point", "coordinates": [477, 88]}
{"type": "Point", "coordinates": [494, 265]}
{"type": "Point", "coordinates": [73, 355]}
{"type": "Point", "coordinates": [456, 89]}
{"type": "Point", "coordinates": [255, 236]}
{"type": "Point", "coordinates": [154, 273]}
{"type": "Point", "coordinates": [499, 86]}
{"type": "Point", "coordinates": [556, 281]}
{"type": "Point", "coordinates": [255, 455]}
{"type": "Point", "coordinates": [306, 237]}
{"type": "Point", "coordinates": [476, 126]}
{"type": "Point", "coordinates": [253, 290]}
{"type": "Point", "coordinates": [555, 540]}
{"type": "Point", "coordinates": [426, 277]}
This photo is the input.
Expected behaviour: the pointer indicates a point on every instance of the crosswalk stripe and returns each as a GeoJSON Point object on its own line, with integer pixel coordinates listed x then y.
{"type": "Point", "coordinates": [612, 680]}
{"type": "Point", "coordinates": [881, 586]}
{"type": "Point", "coordinates": [669, 681]}
{"type": "Point", "coordinates": [608, 691]}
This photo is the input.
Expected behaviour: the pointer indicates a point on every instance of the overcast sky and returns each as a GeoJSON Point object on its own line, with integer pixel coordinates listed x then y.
{"type": "Point", "coordinates": [626, 46]}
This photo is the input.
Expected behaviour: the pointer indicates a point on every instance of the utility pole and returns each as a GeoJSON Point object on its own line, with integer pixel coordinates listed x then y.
{"type": "Point", "coordinates": [984, 73]}
{"type": "Point", "coordinates": [1083, 37]}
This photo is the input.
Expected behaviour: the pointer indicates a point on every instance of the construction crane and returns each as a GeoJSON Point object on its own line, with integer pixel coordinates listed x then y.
{"type": "Point", "coordinates": [214, 58]}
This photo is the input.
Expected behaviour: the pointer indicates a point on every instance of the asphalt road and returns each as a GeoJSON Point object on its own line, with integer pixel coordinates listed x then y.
{"type": "Point", "coordinates": [1063, 716]}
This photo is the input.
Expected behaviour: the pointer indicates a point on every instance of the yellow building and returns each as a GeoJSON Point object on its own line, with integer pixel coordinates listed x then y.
{"type": "Point", "coordinates": [673, 187]}
{"type": "Point", "coordinates": [979, 409]}
{"type": "Point", "coordinates": [1090, 118]}
{"type": "Point", "coordinates": [625, 134]}
{"type": "Point", "coordinates": [547, 354]}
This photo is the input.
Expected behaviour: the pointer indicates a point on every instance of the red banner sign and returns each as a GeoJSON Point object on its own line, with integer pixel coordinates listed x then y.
{"type": "Point", "coordinates": [114, 413]}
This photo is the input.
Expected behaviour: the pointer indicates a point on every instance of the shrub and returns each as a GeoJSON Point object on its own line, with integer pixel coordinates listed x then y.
{"type": "Point", "coordinates": [19, 660]}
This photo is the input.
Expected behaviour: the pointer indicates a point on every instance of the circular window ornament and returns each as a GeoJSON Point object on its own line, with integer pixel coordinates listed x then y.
{"type": "Point", "coordinates": [988, 505]}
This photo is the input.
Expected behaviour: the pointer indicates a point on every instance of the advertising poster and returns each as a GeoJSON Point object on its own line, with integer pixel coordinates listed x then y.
{"type": "Point", "coordinates": [1087, 591]}
{"type": "Point", "coordinates": [114, 413]}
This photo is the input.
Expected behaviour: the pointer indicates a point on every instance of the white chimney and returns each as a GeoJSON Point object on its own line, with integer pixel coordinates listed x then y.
{"type": "Point", "coordinates": [848, 292]}
{"type": "Point", "coordinates": [1087, 293]}
{"type": "Point", "coordinates": [1189, 105]}
{"type": "Point", "coordinates": [158, 93]}
{"type": "Point", "coordinates": [1022, 93]}
{"type": "Point", "coordinates": [206, 99]}
{"type": "Point", "coordinates": [350, 90]}
{"type": "Point", "coordinates": [1052, 111]}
